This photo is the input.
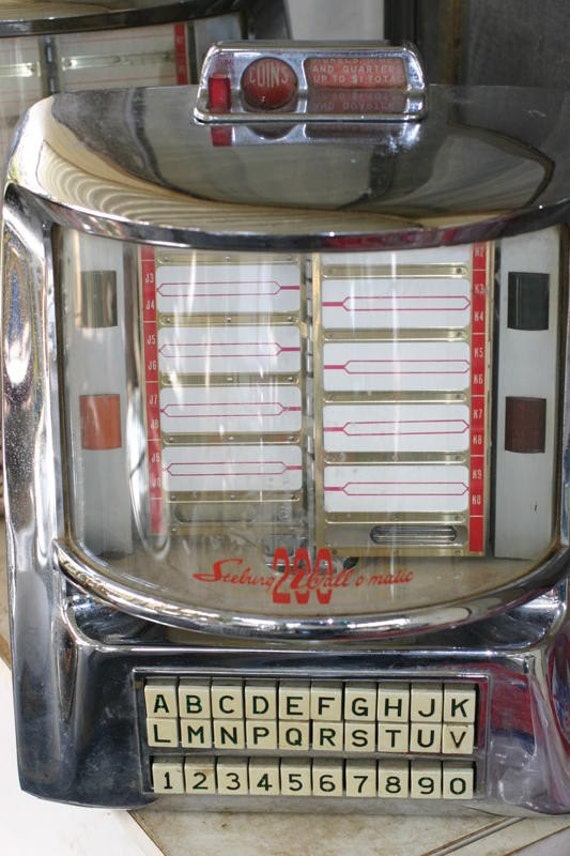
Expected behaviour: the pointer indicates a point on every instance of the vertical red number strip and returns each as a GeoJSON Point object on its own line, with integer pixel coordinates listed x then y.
{"type": "Point", "coordinates": [478, 398]}
{"type": "Point", "coordinates": [150, 348]}
{"type": "Point", "coordinates": [181, 54]}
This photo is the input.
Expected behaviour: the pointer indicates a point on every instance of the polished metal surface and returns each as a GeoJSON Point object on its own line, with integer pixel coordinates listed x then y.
{"type": "Point", "coordinates": [400, 87]}
{"type": "Point", "coordinates": [244, 616]}
{"type": "Point", "coordinates": [476, 168]}
{"type": "Point", "coordinates": [31, 18]}
{"type": "Point", "coordinates": [164, 185]}
{"type": "Point", "coordinates": [82, 640]}
{"type": "Point", "coordinates": [49, 47]}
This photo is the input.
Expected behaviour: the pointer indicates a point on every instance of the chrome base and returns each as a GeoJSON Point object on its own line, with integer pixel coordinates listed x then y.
{"type": "Point", "coordinates": [80, 671]}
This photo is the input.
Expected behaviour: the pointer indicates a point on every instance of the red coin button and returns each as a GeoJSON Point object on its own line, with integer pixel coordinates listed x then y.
{"type": "Point", "coordinates": [268, 84]}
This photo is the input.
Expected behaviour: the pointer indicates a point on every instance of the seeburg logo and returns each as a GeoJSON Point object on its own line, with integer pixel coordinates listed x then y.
{"type": "Point", "coordinates": [300, 579]}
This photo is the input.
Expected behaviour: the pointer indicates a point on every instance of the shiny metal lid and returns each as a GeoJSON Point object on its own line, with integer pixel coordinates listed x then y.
{"type": "Point", "coordinates": [484, 162]}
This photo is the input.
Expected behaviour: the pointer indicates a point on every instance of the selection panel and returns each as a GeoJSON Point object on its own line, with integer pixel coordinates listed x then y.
{"type": "Point", "coordinates": [312, 737]}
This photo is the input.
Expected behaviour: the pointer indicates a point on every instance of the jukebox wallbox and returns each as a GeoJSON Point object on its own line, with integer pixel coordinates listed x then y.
{"type": "Point", "coordinates": [285, 430]}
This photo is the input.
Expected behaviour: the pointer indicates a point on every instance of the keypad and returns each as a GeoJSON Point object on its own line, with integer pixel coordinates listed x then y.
{"type": "Point", "coordinates": [311, 737]}
{"type": "Point", "coordinates": [327, 777]}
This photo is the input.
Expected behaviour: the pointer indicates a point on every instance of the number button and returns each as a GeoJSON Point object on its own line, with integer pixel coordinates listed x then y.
{"type": "Point", "coordinates": [393, 779]}
{"type": "Point", "coordinates": [360, 778]}
{"type": "Point", "coordinates": [200, 776]}
{"type": "Point", "coordinates": [327, 778]}
{"type": "Point", "coordinates": [296, 777]}
{"type": "Point", "coordinates": [425, 780]}
{"type": "Point", "coordinates": [264, 777]}
{"type": "Point", "coordinates": [167, 777]}
{"type": "Point", "coordinates": [232, 776]}
{"type": "Point", "coordinates": [458, 781]}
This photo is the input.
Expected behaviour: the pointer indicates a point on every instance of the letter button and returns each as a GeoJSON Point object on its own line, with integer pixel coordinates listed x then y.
{"type": "Point", "coordinates": [261, 700]}
{"type": "Point", "coordinates": [229, 734]}
{"type": "Point", "coordinates": [360, 736]}
{"type": "Point", "coordinates": [295, 735]}
{"type": "Point", "coordinates": [458, 739]}
{"type": "Point", "coordinates": [459, 703]}
{"type": "Point", "coordinates": [162, 732]}
{"type": "Point", "coordinates": [196, 733]}
{"type": "Point", "coordinates": [328, 736]}
{"type": "Point", "coordinates": [393, 702]}
{"type": "Point", "coordinates": [393, 737]}
{"type": "Point", "coordinates": [160, 699]}
{"type": "Point", "coordinates": [326, 702]}
{"type": "Point", "coordinates": [425, 737]}
{"type": "Point", "coordinates": [360, 702]}
{"type": "Point", "coordinates": [261, 734]}
{"type": "Point", "coordinates": [227, 700]}
{"type": "Point", "coordinates": [294, 700]}
{"type": "Point", "coordinates": [426, 703]}
{"type": "Point", "coordinates": [194, 699]}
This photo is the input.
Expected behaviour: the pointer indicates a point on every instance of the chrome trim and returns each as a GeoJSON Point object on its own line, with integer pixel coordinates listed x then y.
{"type": "Point", "coordinates": [235, 58]}
{"type": "Point", "coordinates": [20, 69]}
{"type": "Point", "coordinates": [100, 581]}
{"type": "Point", "coordinates": [89, 670]}
{"type": "Point", "coordinates": [55, 161]}
{"type": "Point", "coordinates": [77, 63]}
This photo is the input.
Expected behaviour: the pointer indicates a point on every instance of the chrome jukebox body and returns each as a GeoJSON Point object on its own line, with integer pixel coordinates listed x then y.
{"type": "Point", "coordinates": [286, 444]}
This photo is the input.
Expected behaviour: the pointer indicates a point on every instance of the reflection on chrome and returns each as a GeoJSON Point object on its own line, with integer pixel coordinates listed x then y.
{"type": "Point", "coordinates": [284, 431]}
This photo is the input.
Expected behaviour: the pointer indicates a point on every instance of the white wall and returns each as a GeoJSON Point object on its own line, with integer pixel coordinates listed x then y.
{"type": "Point", "coordinates": [336, 19]}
